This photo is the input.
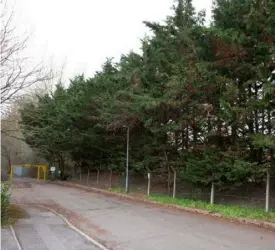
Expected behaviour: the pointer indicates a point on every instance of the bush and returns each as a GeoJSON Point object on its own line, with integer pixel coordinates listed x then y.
{"type": "Point", "coordinates": [5, 199]}
{"type": "Point", "coordinates": [63, 176]}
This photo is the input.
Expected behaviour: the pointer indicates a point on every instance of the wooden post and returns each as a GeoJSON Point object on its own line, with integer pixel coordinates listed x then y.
{"type": "Point", "coordinates": [97, 178]}
{"type": "Point", "coordinates": [110, 178]}
{"type": "Point", "coordinates": [168, 168]}
{"type": "Point", "coordinates": [149, 184]}
{"type": "Point", "coordinates": [127, 162]}
{"type": "Point", "coordinates": [168, 181]}
{"type": "Point", "coordinates": [88, 177]}
{"type": "Point", "coordinates": [174, 182]}
{"type": "Point", "coordinates": [212, 195]}
{"type": "Point", "coordinates": [38, 172]}
{"type": "Point", "coordinates": [267, 192]}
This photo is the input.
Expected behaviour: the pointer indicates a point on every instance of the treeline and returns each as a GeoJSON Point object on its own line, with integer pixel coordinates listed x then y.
{"type": "Point", "coordinates": [198, 100]}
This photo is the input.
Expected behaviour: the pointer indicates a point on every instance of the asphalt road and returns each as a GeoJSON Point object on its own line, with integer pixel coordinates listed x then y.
{"type": "Point", "coordinates": [127, 225]}
{"type": "Point", "coordinates": [43, 230]}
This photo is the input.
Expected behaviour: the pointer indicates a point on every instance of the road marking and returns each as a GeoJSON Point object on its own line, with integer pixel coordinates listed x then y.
{"type": "Point", "coordinates": [75, 229]}
{"type": "Point", "coordinates": [15, 237]}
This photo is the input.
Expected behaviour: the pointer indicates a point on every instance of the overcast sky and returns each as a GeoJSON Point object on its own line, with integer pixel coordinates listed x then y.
{"type": "Point", "coordinates": [82, 33]}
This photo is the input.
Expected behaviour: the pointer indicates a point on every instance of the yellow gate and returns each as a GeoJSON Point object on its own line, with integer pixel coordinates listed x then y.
{"type": "Point", "coordinates": [43, 167]}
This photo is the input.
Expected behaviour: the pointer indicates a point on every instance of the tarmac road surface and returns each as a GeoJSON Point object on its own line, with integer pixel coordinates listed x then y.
{"type": "Point", "coordinates": [43, 230]}
{"type": "Point", "coordinates": [128, 225]}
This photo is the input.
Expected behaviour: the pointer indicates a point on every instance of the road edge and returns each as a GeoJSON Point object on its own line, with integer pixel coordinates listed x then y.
{"type": "Point", "coordinates": [243, 221]}
{"type": "Point", "coordinates": [96, 243]}
{"type": "Point", "coordinates": [15, 238]}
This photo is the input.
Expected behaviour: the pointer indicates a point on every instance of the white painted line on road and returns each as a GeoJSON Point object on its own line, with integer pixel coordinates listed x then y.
{"type": "Point", "coordinates": [15, 238]}
{"type": "Point", "coordinates": [76, 229]}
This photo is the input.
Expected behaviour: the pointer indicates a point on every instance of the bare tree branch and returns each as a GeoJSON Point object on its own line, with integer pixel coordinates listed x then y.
{"type": "Point", "coordinates": [16, 74]}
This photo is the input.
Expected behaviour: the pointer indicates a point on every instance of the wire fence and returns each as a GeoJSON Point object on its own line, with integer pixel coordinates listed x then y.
{"type": "Point", "coordinates": [250, 194]}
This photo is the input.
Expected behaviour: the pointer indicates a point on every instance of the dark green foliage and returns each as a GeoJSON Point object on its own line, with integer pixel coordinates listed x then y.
{"type": "Point", "coordinates": [199, 99]}
{"type": "Point", "coordinates": [5, 200]}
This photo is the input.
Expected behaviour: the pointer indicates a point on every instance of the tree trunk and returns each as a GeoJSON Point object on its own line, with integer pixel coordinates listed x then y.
{"type": "Point", "coordinates": [73, 173]}
{"type": "Point", "coordinates": [182, 141]}
{"type": "Point", "coordinates": [256, 111]}
{"type": "Point", "coordinates": [250, 118]}
{"type": "Point", "coordinates": [267, 193]}
{"type": "Point", "coordinates": [61, 163]}
{"type": "Point", "coordinates": [195, 133]}
{"type": "Point", "coordinates": [187, 137]}
{"type": "Point", "coordinates": [263, 121]}
{"type": "Point", "coordinates": [177, 139]}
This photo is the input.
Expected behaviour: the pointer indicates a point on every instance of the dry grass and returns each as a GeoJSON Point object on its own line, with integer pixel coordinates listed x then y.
{"type": "Point", "coordinates": [14, 213]}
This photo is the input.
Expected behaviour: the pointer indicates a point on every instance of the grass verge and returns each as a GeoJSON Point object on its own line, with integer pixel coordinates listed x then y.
{"type": "Point", "coordinates": [14, 213]}
{"type": "Point", "coordinates": [117, 190]}
{"type": "Point", "coordinates": [228, 211]}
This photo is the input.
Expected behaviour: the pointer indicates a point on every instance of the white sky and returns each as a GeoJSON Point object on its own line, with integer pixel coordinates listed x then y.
{"type": "Point", "coordinates": [82, 33]}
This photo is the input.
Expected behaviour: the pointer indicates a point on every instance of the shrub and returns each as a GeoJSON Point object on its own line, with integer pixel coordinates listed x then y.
{"type": "Point", "coordinates": [5, 199]}
{"type": "Point", "coordinates": [63, 176]}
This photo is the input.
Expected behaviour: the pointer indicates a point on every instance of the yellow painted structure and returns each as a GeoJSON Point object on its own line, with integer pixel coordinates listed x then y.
{"type": "Point", "coordinates": [39, 167]}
